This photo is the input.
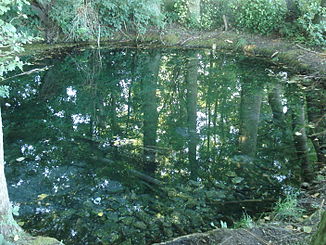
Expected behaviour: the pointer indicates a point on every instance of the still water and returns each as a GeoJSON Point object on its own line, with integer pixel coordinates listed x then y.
{"type": "Point", "coordinates": [126, 146]}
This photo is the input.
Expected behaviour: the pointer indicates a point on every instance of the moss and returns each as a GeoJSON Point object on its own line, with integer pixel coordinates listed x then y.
{"type": "Point", "coordinates": [171, 39]}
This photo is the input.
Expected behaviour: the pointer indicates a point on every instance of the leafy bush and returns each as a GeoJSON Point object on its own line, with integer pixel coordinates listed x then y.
{"type": "Point", "coordinates": [212, 12]}
{"type": "Point", "coordinates": [136, 15]}
{"type": "Point", "coordinates": [11, 40]}
{"type": "Point", "coordinates": [181, 10]}
{"type": "Point", "coordinates": [83, 21]}
{"type": "Point", "coordinates": [260, 16]}
{"type": "Point", "coordinates": [313, 30]}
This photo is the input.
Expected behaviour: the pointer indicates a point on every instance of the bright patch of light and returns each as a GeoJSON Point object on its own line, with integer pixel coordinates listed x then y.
{"type": "Point", "coordinates": [285, 109]}
{"type": "Point", "coordinates": [97, 200]}
{"type": "Point", "coordinates": [79, 118]}
{"type": "Point", "coordinates": [37, 79]}
{"type": "Point", "coordinates": [60, 114]}
{"type": "Point", "coordinates": [72, 94]}
{"type": "Point", "coordinates": [73, 233]}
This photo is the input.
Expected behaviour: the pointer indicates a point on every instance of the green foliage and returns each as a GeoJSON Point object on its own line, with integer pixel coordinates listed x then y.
{"type": "Point", "coordinates": [260, 16]}
{"type": "Point", "coordinates": [183, 14]}
{"type": "Point", "coordinates": [15, 210]}
{"type": "Point", "coordinates": [309, 29]}
{"type": "Point", "coordinates": [288, 209]}
{"type": "Point", "coordinates": [81, 20]}
{"type": "Point", "coordinates": [245, 222]}
{"type": "Point", "coordinates": [4, 91]}
{"type": "Point", "coordinates": [77, 19]}
{"type": "Point", "coordinates": [10, 39]}
{"type": "Point", "coordinates": [212, 12]}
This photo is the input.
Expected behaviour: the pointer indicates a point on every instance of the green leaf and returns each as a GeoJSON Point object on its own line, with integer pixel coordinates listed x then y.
{"type": "Point", "coordinates": [4, 91]}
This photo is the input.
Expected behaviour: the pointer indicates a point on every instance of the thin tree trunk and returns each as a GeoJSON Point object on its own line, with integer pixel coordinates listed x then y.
{"type": "Point", "coordinates": [192, 91]}
{"type": "Point", "coordinates": [8, 226]}
{"type": "Point", "coordinates": [251, 99]}
{"type": "Point", "coordinates": [194, 11]}
{"type": "Point", "coordinates": [150, 112]}
{"type": "Point", "coordinates": [316, 101]}
{"type": "Point", "coordinates": [320, 237]}
{"type": "Point", "coordinates": [300, 138]}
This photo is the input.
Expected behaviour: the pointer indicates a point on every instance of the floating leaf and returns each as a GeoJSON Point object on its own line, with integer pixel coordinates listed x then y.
{"type": "Point", "coordinates": [41, 197]}
{"type": "Point", "coordinates": [267, 218]}
{"type": "Point", "coordinates": [237, 180]}
{"type": "Point", "coordinates": [307, 229]}
{"type": "Point", "coordinates": [298, 133]}
{"type": "Point", "coordinates": [19, 159]}
{"type": "Point", "coordinates": [100, 214]}
{"type": "Point", "coordinates": [316, 195]}
{"type": "Point", "coordinates": [289, 227]}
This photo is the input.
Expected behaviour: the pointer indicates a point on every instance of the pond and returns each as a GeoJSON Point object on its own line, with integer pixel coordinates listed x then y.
{"type": "Point", "coordinates": [135, 146]}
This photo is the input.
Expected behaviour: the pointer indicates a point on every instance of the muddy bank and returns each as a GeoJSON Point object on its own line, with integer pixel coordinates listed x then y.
{"type": "Point", "coordinates": [299, 59]}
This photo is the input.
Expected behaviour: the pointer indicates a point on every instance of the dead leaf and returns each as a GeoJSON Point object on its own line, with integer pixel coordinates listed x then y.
{"type": "Point", "coordinates": [315, 195]}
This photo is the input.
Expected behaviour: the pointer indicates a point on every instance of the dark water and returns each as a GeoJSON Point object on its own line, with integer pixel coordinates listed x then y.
{"type": "Point", "coordinates": [84, 138]}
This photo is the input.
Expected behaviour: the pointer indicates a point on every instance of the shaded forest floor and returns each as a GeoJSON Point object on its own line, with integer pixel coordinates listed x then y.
{"type": "Point", "coordinates": [267, 231]}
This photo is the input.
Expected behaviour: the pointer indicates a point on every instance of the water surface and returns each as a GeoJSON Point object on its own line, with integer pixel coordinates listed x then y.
{"type": "Point", "coordinates": [84, 138]}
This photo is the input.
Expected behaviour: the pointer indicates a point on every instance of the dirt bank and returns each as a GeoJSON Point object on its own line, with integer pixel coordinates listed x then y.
{"type": "Point", "coordinates": [301, 60]}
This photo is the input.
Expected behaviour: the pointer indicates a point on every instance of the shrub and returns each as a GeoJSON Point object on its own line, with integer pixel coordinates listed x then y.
{"type": "Point", "coordinates": [83, 21]}
{"type": "Point", "coordinates": [313, 30]}
{"type": "Point", "coordinates": [260, 16]}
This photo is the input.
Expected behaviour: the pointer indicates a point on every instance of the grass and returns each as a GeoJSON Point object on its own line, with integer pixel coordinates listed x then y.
{"type": "Point", "coordinates": [288, 208]}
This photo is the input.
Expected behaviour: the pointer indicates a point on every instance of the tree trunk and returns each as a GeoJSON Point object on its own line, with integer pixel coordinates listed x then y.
{"type": "Point", "coordinates": [150, 114]}
{"type": "Point", "coordinates": [285, 138]}
{"type": "Point", "coordinates": [251, 98]}
{"type": "Point", "coordinates": [316, 101]}
{"type": "Point", "coordinates": [192, 91]}
{"type": "Point", "coordinates": [320, 237]}
{"type": "Point", "coordinates": [300, 137]}
{"type": "Point", "coordinates": [275, 101]}
{"type": "Point", "coordinates": [194, 11]}
{"type": "Point", "coordinates": [292, 10]}
{"type": "Point", "coordinates": [8, 226]}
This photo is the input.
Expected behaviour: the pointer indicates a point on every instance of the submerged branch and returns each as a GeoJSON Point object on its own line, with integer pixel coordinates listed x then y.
{"type": "Point", "coordinates": [28, 72]}
{"type": "Point", "coordinates": [140, 175]}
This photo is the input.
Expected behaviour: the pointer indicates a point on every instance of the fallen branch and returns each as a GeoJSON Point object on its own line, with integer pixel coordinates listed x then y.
{"type": "Point", "coordinates": [311, 51]}
{"type": "Point", "coordinates": [28, 72]}
{"type": "Point", "coordinates": [244, 201]}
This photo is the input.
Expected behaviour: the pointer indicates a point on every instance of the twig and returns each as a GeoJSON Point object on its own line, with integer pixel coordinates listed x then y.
{"type": "Point", "coordinates": [258, 238]}
{"type": "Point", "coordinates": [321, 207]}
{"type": "Point", "coordinates": [188, 39]}
{"type": "Point", "coordinates": [99, 36]}
{"type": "Point", "coordinates": [227, 239]}
{"type": "Point", "coordinates": [311, 51]}
{"type": "Point", "coordinates": [29, 72]}
{"type": "Point", "coordinates": [225, 23]}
